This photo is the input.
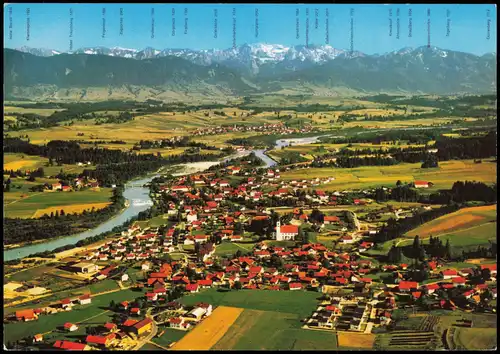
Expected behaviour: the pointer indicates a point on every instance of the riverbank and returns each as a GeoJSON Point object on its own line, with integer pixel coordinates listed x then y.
{"type": "Point", "coordinates": [35, 242]}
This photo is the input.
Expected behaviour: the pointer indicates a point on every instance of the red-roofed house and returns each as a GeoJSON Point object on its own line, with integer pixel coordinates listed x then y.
{"type": "Point", "coordinates": [176, 322]}
{"type": "Point", "coordinates": [331, 220]}
{"type": "Point", "coordinates": [85, 299]}
{"type": "Point", "coordinates": [193, 288]}
{"type": "Point", "coordinates": [422, 184]}
{"type": "Point", "coordinates": [295, 286]}
{"type": "Point", "coordinates": [407, 286]}
{"type": "Point", "coordinates": [135, 311]}
{"type": "Point", "coordinates": [99, 340]}
{"type": "Point", "coordinates": [26, 315]}
{"type": "Point", "coordinates": [110, 326]}
{"type": "Point", "coordinates": [142, 326]}
{"type": "Point", "coordinates": [205, 283]}
{"type": "Point", "coordinates": [491, 267]}
{"type": "Point", "coordinates": [468, 294]}
{"type": "Point", "coordinates": [449, 273]}
{"type": "Point", "coordinates": [432, 287]}
{"type": "Point", "coordinates": [67, 345]}
{"type": "Point", "coordinates": [66, 304]}
{"type": "Point", "coordinates": [71, 327]}
{"type": "Point", "coordinates": [458, 281]}
{"type": "Point", "coordinates": [347, 239]}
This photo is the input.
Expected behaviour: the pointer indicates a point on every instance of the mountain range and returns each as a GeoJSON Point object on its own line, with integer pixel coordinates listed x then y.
{"type": "Point", "coordinates": [254, 68]}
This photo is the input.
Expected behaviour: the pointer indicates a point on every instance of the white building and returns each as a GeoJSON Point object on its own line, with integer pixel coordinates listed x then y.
{"type": "Point", "coordinates": [286, 232]}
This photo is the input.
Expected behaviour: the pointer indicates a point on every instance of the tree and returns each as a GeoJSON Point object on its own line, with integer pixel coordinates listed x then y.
{"type": "Point", "coordinates": [237, 285]}
{"type": "Point", "coordinates": [486, 273]}
{"type": "Point", "coordinates": [305, 237]}
{"type": "Point", "coordinates": [447, 253]}
{"type": "Point", "coordinates": [398, 183]}
{"type": "Point", "coordinates": [112, 304]}
{"type": "Point", "coordinates": [416, 248]}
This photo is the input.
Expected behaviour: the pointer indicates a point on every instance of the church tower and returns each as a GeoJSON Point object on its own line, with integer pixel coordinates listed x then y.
{"type": "Point", "coordinates": [278, 231]}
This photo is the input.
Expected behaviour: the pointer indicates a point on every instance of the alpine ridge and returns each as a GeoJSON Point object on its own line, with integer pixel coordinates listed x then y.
{"type": "Point", "coordinates": [252, 68]}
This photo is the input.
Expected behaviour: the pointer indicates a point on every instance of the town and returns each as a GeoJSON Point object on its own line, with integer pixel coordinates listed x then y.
{"type": "Point", "coordinates": [270, 229]}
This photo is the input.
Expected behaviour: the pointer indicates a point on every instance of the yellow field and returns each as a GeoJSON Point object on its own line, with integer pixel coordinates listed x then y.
{"type": "Point", "coordinates": [377, 112]}
{"type": "Point", "coordinates": [397, 123]}
{"type": "Point", "coordinates": [208, 333]}
{"type": "Point", "coordinates": [40, 111]}
{"type": "Point", "coordinates": [75, 208]}
{"type": "Point", "coordinates": [461, 219]}
{"type": "Point", "coordinates": [17, 165]}
{"type": "Point", "coordinates": [14, 161]}
{"type": "Point", "coordinates": [355, 340]}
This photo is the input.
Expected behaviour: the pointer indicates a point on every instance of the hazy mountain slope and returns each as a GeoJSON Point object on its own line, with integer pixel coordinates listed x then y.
{"type": "Point", "coordinates": [83, 70]}
{"type": "Point", "coordinates": [277, 69]}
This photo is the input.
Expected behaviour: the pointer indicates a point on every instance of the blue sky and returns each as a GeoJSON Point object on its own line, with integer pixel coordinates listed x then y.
{"type": "Point", "coordinates": [49, 26]}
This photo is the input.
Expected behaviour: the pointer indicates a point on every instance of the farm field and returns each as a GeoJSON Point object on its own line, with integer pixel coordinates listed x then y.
{"type": "Point", "coordinates": [479, 235]}
{"type": "Point", "coordinates": [29, 205]}
{"type": "Point", "coordinates": [476, 338]}
{"type": "Point", "coordinates": [269, 330]}
{"type": "Point", "coordinates": [424, 122]}
{"type": "Point", "coordinates": [443, 177]}
{"type": "Point", "coordinates": [301, 303]}
{"type": "Point", "coordinates": [206, 334]}
{"type": "Point", "coordinates": [230, 248]}
{"type": "Point", "coordinates": [40, 111]}
{"type": "Point", "coordinates": [171, 335]}
{"type": "Point", "coordinates": [455, 222]}
{"type": "Point", "coordinates": [23, 162]}
{"type": "Point", "coordinates": [153, 126]}
{"type": "Point", "coordinates": [326, 148]}
{"type": "Point", "coordinates": [355, 340]}
{"type": "Point", "coordinates": [74, 208]}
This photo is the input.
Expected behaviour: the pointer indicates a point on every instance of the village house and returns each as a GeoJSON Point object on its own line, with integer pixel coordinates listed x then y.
{"type": "Point", "coordinates": [85, 299]}
{"type": "Point", "coordinates": [407, 286]}
{"type": "Point", "coordinates": [142, 327]}
{"type": "Point", "coordinates": [422, 184]}
{"type": "Point", "coordinates": [70, 327]}
{"type": "Point", "coordinates": [178, 322]}
{"type": "Point", "coordinates": [68, 345]}
{"type": "Point", "coordinates": [328, 220]}
{"type": "Point", "coordinates": [66, 304]}
{"type": "Point", "coordinates": [100, 341]}
{"type": "Point", "coordinates": [135, 311]}
{"type": "Point", "coordinates": [449, 273]}
{"type": "Point", "coordinates": [26, 315]}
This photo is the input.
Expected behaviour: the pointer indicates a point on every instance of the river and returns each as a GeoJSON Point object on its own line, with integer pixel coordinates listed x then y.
{"type": "Point", "coordinates": [139, 200]}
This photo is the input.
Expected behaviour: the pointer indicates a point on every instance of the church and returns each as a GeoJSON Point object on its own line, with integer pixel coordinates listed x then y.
{"type": "Point", "coordinates": [286, 232]}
